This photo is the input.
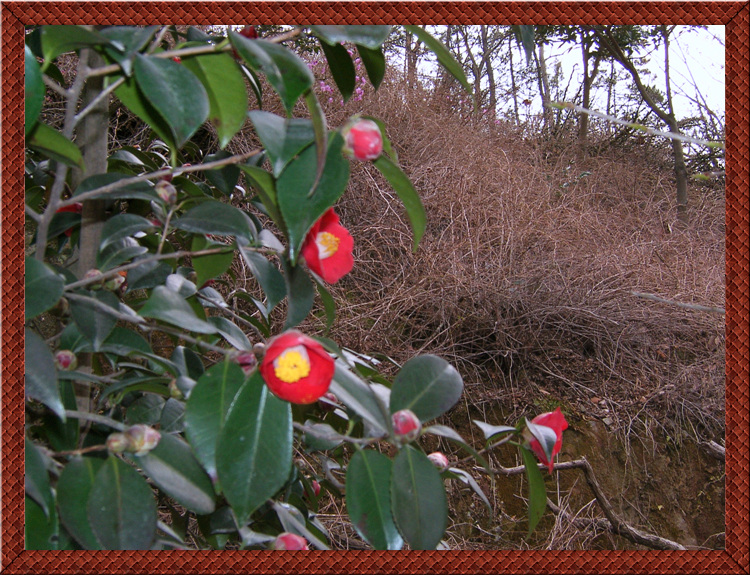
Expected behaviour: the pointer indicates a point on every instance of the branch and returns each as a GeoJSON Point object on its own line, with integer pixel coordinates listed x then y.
{"type": "Point", "coordinates": [693, 306]}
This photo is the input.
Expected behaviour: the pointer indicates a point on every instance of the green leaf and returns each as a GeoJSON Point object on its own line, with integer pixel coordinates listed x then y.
{"type": "Point", "coordinates": [233, 334]}
{"type": "Point", "coordinates": [121, 508]}
{"type": "Point", "coordinates": [320, 436]}
{"type": "Point", "coordinates": [206, 410]}
{"type": "Point", "coordinates": [428, 385]}
{"type": "Point", "coordinates": [374, 62]}
{"type": "Point", "coordinates": [63, 436]}
{"type": "Point", "coordinates": [301, 209]}
{"type": "Point", "coordinates": [269, 277]}
{"type": "Point", "coordinates": [254, 452]}
{"type": "Point", "coordinates": [123, 226]}
{"type": "Point", "coordinates": [54, 145]}
{"type": "Point", "coordinates": [95, 325]}
{"type": "Point", "coordinates": [537, 490]}
{"type": "Point", "coordinates": [301, 294]}
{"type": "Point", "coordinates": [466, 477]}
{"type": "Point", "coordinates": [43, 287]}
{"type": "Point", "coordinates": [329, 304]}
{"type": "Point", "coordinates": [225, 179]}
{"type": "Point", "coordinates": [342, 68]}
{"type": "Point", "coordinates": [73, 488]}
{"type": "Point", "coordinates": [173, 417]}
{"type": "Point", "coordinates": [286, 72]}
{"type": "Point", "coordinates": [368, 36]}
{"type": "Point", "coordinates": [169, 307]}
{"type": "Point", "coordinates": [57, 40]}
{"type": "Point", "coordinates": [418, 500]}
{"type": "Point", "coordinates": [387, 146]}
{"type": "Point", "coordinates": [148, 275]}
{"type": "Point", "coordinates": [176, 94]}
{"type": "Point", "coordinates": [210, 266]}
{"type": "Point", "coordinates": [492, 430]}
{"type": "Point", "coordinates": [282, 138]}
{"type": "Point", "coordinates": [145, 410]}
{"type": "Point", "coordinates": [125, 42]}
{"type": "Point", "coordinates": [40, 532]}
{"type": "Point", "coordinates": [225, 87]}
{"type": "Point", "coordinates": [41, 375]}
{"type": "Point", "coordinates": [131, 95]}
{"type": "Point", "coordinates": [453, 435]}
{"type": "Point", "coordinates": [368, 499]}
{"type": "Point", "coordinates": [321, 133]}
{"type": "Point", "coordinates": [360, 398]}
{"type": "Point", "coordinates": [218, 219]}
{"type": "Point", "coordinates": [119, 252]}
{"type": "Point", "coordinates": [188, 362]}
{"type": "Point", "coordinates": [37, 479]}
{"type": "Point", "coordinates": [34, 90]}
{"type": "Point", "coordinates": [134, 191]}
{"type": "Point", "coordinates": [408, 195]}
{"type": "Point", "coordinates": [265, 185]}
{"type": "Point", "coordinates": [172, 466]}
{"type": "Point", "coordinates": [443, 54]}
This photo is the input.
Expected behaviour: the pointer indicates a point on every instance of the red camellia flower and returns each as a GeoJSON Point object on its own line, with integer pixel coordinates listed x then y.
{"type": "Point", "coordinates": [327, 248]}
{"type": "Point", "coordinates": [439, 460]}
{"type": "Point", "coordinates": [76, 208]}
{"type": "Point", "coordinates": [555, 420]}
{"type": "Point", "coordinates": [296, 368]}
{"type": "Point", "coordinates": [290, 542]}
{"type": "Point", "coordinates": [363, 140]}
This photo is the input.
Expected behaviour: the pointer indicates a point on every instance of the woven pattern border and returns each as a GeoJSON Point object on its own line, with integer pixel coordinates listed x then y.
{"type": "Point", "coordinates": [735, 15]}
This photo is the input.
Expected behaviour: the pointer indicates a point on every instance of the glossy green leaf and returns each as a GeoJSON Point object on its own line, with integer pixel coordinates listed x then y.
{"type": "Point", "coordinates": [41, 375]}
{"type": "Point", "coordinates": [300, 209]}
{"type": "Point", "coordinates": [95, 325]}
{"type": "Point", "coordinates": [224, 179]}
{"type": "Point", "coordinates": [342, 68]}
{"type": "Point", "coordinates": [301, 295]}
{"type": "Point", "coordinates": [321, 436]}
{"type": "Point", "coordinates": [408, 195]}
{"type": "Point", "coordinates": [265, 186]}
{"type": "Point", "coordinates": [121, 508]}
{"type": "Point", "coordinates": [173, 417]}
{"type": "Point", "coordinates": [285, 71]}
{"type": "Point", "coordinates": [131, 95]}
{"type": "Point", "coordinates": [168, 306]}
{"type": "Point", "coordinates": [225, 87]}
{"type": "Point", "coordinates": [176, 94]}
{"type": "Point", "coordinates": [293, 521]}
{"type": "Point", "coordinates": [123, 226]}
{"type": "Point", "coordinates": [40, 532]}
{"type": "Point", "coordinates": [172, 466]}
{"type": "Point", "coordinates": [368, 499]}
{"type": "Point", "coordinates": [492, 430]}
{"type": "Point", "coordinates": [73, 488]}
{"type": "Point", "coordinates": [125, 42]}
{"type": "Point", "coordinates": [148, 275]}
{"type": "Point", "coordinates": [188, 362]}
{"type": "Point", "coordinates": [282, 138]}
{"type": "Point", "coordinates": [254, 451]}
{"type": "Point", "coordinates": [418, 500]}
{"type": "Point", "coordinates": [37, 479]}
{"type": "Point", "coordinates": [145, 410]}
{"type": "Point", "coordinates": [368, 36]}
{"type": "Point", "coordinates": [329, 304]}
{"type": "Point", "coordinates": [360, 398]}
{"type": "Point", "coordinates": [53, 144]}
{"type": "Point", "coordinates": [374, 62]}
{"type": "Point", "coordinates": [43, 287]}
{"type": "Point", "coordinates": [209, 266]}
{"type": "Point", "coordinates": [57, 40]}
{"type": "Point", "coordinates": [269, 277]}
{"type": "Point", "coordinates": [119, 252]}
{"type": "Point", "coordinates": [321, 133]}
{"type": "Point", "coordinates": [428, 385]}
{"type": "Point", "coordinates": [207, 407]}
{"type": "Point", "coordinates": [34, 90]}
{"type": "Point", "coordinates": [63, 435]}
{"type": "Point", "coordinates": [102, 183]}
{"type": "Point", "coordinates": [537, 490]}
{"type": "Point", "coordinates": [218, 219]}
{"type": "Point", "coordinates": [443, 54]}
{"type": "Point", "coordinates": [233, 334]}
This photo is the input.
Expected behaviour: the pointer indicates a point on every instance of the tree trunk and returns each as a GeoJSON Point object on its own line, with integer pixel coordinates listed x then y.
{"type": "Point", "coordinates": [544, 89]}
{"type": "Point", "coordinates": [487, 57]}
{"type": "Point", "coordinates": [513, 87]}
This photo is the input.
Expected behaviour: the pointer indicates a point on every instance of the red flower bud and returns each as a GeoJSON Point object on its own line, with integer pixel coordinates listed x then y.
{"type": "Point", "coordinates": [328, 402]}
{"type": "Point", "coordinates": [249, 32]}
{"type": "Point", "coordinates": [327, 248]}
{"type": "Point", "coordinates": [91, 275]}
{"type": "Point", "coordinates": [142, 438]}
{"type": "Point", "coordinates": [76, 208]}
{"type": "Point", "coordinates": [166, 192]}
{"type": "Point", "coordinates": [363, 140]}
{"type": "Point", "coordinates": [406, 426]}
{"type": "Point", "coordinates": [290, 542]}
{"type": "Point", "coordinates": [316, 487]}
{"type": "Point", "coordinates": [555, 420]}
{"type": "Point", "coordinates": [296, 368]}
{"type": "Point", "coordinates": [247, 361]}
{"type": "Point", "coordinates": [177, 59]}
{"type": "Point", "coordinates": [439, 459]}
{"type": "Point", "coordinates": [66, 360]}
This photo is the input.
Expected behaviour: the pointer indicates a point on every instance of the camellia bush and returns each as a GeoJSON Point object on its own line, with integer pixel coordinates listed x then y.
{"type": "Point", "coordinates": [159, 389]}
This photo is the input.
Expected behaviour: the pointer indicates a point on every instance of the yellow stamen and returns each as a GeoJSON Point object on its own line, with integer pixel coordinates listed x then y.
{"type": "Point", "coordinates": [327, 243]}
{"type": "Point", "coordinates": [292, 365]}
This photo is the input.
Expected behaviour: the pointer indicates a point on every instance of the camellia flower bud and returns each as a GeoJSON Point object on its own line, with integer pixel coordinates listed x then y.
{"type": "Point", "coordinates": [247, 361]}
{"type": "Point", "coordinates": [166, 191]}
{"type": "Point", "coordinates": [439, 459]}
{"type": "Point", "coordinates": [142, 438]}
{"type": "Point", "coordinates": [327, 248]}
{"type": "Point", "coordinates": [315, 487]}
{"type": "Point", "coordinates": [118, 442]}
{"type": "Point", "coordinates": [327, 402]}
{"type": "Point", "coordinates": [114, 283]}
{"type": "Point", "coordinates": [406, 426]}
{"type": "Point", "coordinates": [363, 140]}
{"type": "Point", "coordinates": [555, 420]}
{"type": "Point", "coordinates": [290, 542]}
{"type": "Point", "coordinates": [296, 368]}
{"type": "Point", "coordinates": [66, 360]}
{"type": "Point", "coordinates": [249, 32]}
{"type": "Point", "coordinates": [93, 274]}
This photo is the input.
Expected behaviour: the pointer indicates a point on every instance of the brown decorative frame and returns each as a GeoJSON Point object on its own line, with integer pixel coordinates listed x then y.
{"type": "Point", "coordinates": [736, 557]}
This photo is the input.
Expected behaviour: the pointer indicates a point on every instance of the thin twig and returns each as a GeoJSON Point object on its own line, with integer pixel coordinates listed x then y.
{"type": "Point", "coordinates": [103, 94]}
{"type": "Point", "coordinates": [693, 306]}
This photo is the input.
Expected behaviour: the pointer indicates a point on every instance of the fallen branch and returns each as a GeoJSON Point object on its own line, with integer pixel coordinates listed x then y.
{"type": "Point", "coordinates": [693, 306]}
